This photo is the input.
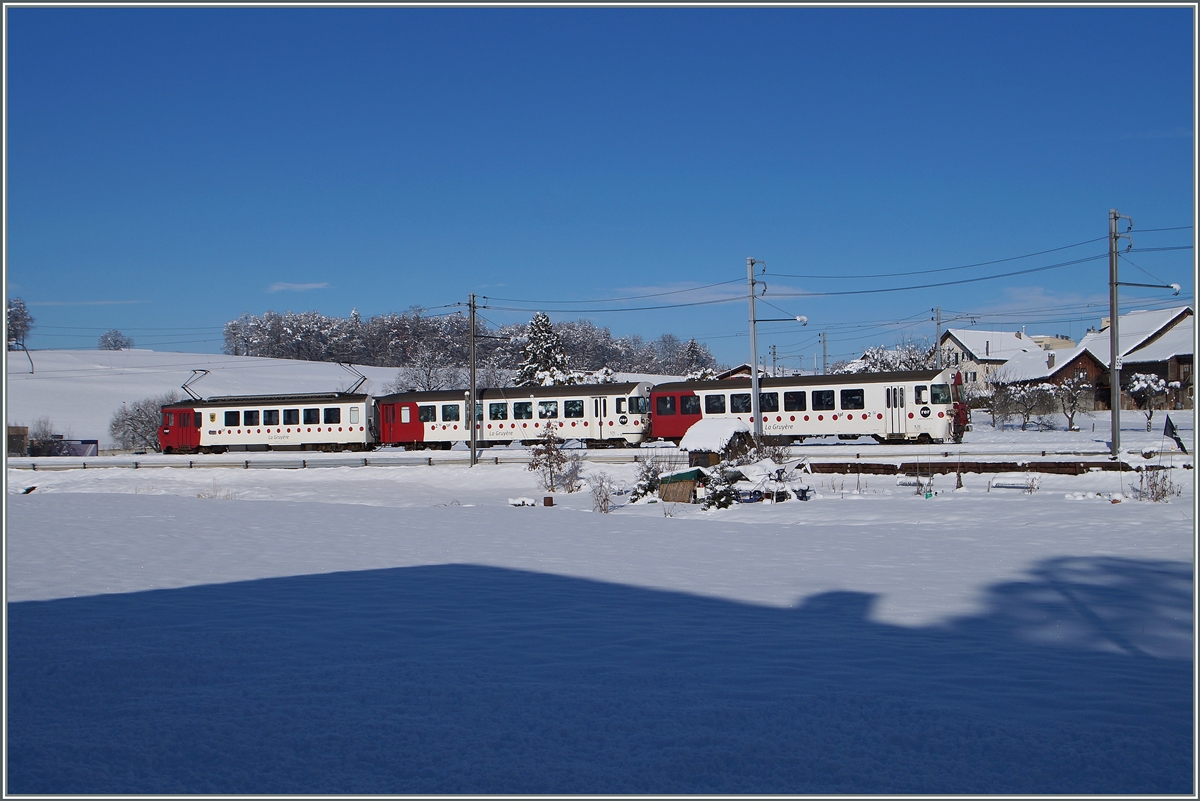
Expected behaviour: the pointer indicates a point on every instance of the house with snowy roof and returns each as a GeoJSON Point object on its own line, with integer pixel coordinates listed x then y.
{"type": "Point", "coordinates": [1158, 342]}
{"type": "Point", "coordinates": [977, 354]}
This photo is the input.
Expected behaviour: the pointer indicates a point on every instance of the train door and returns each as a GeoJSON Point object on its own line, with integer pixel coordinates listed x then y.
{"type": "Point", "coordinates": [897, 412]}
{"type": "Point", "coordinates": [600, 412]}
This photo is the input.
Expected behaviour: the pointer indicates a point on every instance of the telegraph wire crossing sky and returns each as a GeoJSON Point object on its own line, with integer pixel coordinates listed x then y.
{"type": "Point", "coordinates": [170, 169]}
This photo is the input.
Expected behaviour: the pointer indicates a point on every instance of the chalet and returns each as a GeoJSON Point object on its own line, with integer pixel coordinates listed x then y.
{"type": "Point", "coordinates": [1160, 342]}
{"type": "Point", "coordinates": [977, 354]}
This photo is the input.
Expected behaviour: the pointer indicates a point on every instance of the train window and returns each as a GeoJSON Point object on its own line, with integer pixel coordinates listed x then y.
{"type": "Point", "coordinates": [664, 405]}
{"type": "Point", "coordinates": [853, 399]}
{"type": "Point", "coordinates": [620, 406]}
{"type": "Point", "coordinates": [739, 403]}
{"type": "Point", "coordinates": [547, 410]}
{"type": "Point", "coordinates": [822, 400]}
{"type": "Point", "coordinates": [478, 411]}
{"type": "Point", "coordinates": [250, 418]}
{"type": "Point", "coordinates": [231, 419]}
{"type": "Point", "coordinates": [919, 393]}
{"type": "Point", "coordinates": [405, 414]}
{"type": "Point", "coordinates": [427, 414]}
{"type": "Point", "coordinates": [714, 404]}
{"type": "Point", "coordinates": [689, 404]}
{"type": "Point", "coordinates": [768, 401]}
{"type": "Point", "coordinates": [794, 402]}
{"type": "Point", "coordinates": [354, 414]}
{"type": "Point", "coordinates": [291, 417]}
{"type": "Point", "coordinates": [573, 408]}
{"type": "Point", "coordinates": [940, 393]}
{"type": "Point", "coordinates": [497, 411]}
{"type": "Point", "coordinates": [270, 417]}
{"type": "Point", "coordinates": [449, 413]}
{"type": "Point", "coordinates": [333, 415]}
{"type": "Point", "coordinates": [523, 410]}
{"type": "Point", "coordinates": [639, 405]}
{"type": "Point", "coordinates": [312, 417]}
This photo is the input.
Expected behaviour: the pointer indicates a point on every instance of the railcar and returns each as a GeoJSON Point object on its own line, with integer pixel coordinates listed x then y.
{"type": "Point", "coordinates": [916, 406]}
{"type": "Point", "coordinates": [330, 421]}
{"type": "Point", "coordinates": [601, 415]}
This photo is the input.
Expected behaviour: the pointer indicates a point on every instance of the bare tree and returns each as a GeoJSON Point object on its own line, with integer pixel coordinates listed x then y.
{"type": "Point", "coordinates": [1030, 399]}
{"type": "Point", "coordinates": [135, 426]}
{"type": "Point", "coordinates": [547, 458]}
{"type": "Point", "coordinates": [43, 441]}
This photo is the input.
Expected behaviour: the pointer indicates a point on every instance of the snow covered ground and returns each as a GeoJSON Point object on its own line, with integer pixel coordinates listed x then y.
{"type": "Point", "coordinates": [405, 629]}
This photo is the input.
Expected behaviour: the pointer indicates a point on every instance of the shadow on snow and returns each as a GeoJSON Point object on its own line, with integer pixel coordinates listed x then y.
{"type": "Point", "coordinates": [467, 679]}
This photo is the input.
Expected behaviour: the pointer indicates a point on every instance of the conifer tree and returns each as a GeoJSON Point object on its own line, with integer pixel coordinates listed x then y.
{"type": "Point", "coordinates": [545, 362]}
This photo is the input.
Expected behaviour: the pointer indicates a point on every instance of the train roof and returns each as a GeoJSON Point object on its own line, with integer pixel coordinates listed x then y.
{"type": "Point", "coordinates": [803, 381]}
{"type": "Point", "coordinates": [259, 400]}
{"type": "Point", "coordinates": [514, 393]}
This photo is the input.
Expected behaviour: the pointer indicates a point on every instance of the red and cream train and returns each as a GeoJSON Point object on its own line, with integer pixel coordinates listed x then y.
{"type": "Point", "coordinates": [920, 406]}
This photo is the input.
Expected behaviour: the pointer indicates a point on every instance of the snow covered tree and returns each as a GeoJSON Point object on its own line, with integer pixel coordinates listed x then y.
{"type": "Point", "coordinates": [1148, 392]}
{"type": "Point", "coordinates": [19, 323]}
{"type": "Point", "coordinates": [545, 362]}
{"type": "Point", "coordinates": [114, 340]}
{"type": "Point", "coordinates": [1030, 399]}
{"type": "Point", "coordinates": [909, 354]}
{"type": "Point", "coordinates": [1072, 394]}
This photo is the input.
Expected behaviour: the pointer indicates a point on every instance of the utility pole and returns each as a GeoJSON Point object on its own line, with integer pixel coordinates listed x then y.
{"type": "Point", "coordinates": [824, 352]}
{"type": "Point", "coordinates": [1114, 334]}
{"type": "Point", "coordinates": [774, 361]}
{"type": "Point", "coordinates": [754, 406]}
{"type": "Point", "coordinates": [937, 343]}
{"type": "Point", "coordinates": [472, 392]}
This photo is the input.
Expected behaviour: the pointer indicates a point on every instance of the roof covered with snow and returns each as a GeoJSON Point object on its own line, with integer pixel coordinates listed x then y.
{"type": "Point", "coordinates": [1177, 341]}
{"type": "Point", "coordinates": [993, 346]}
{"type": "Point", "coordinates": [1134, 329]}
{"type": "Point", "coordinates": [1034, 365]}
{"type": "Point", "coordinates": [711, 434]}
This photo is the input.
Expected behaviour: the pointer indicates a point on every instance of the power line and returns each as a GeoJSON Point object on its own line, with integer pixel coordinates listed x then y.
{"type": "Point", "coordinates": [615, 300]}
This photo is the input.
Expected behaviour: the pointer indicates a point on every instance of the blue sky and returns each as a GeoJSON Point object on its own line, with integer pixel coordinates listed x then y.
{"type": "Point", "coordinates": [171, 168]}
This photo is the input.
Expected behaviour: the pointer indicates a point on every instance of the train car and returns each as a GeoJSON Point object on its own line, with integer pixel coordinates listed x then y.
{"type": "Point", "coordinates": [330, 421]}
{"type": "Point", "coordinates": [601, 415]}
{"type": "Point", "coordinates": [917, 406]}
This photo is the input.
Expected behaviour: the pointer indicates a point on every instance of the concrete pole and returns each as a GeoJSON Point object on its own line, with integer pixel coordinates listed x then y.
{"type": "Point", "coordinates": [1114, 336]}
{"type": "Point", "coordinates": [754, 410]}
{"type": "Point", "coordinates": [474, 390]}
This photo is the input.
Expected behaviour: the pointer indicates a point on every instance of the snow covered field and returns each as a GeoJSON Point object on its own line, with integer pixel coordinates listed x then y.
{"type": "Point", "coordinates": [406, 630]}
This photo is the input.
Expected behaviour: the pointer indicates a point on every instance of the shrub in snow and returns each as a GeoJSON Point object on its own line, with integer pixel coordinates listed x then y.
{"type": "Point", "coordinates": [719, 492]}
{"type": "Point", "coordinates": [1148, 392]}
{"type": "Point", "coordinates": [648, 473]}
{"type": "Point", "coordinates": [603, 488]}
{"type": "Point", "coordinates": [1156, 486]}
{"type": "Point", "coordinates": [19, 323]}
{"type": "Point", "coordinates": [1073, 396]}
{"type": "Point", "coordinates": [43, 441]}
{"type": "Point", "coordinates": [135, 426]}
{"type": "Point", "coordinates": [571, 478]}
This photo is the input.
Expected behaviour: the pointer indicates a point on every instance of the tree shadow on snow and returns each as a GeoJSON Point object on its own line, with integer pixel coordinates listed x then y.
{"type": "Point", "coordinates": [466, 679]}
